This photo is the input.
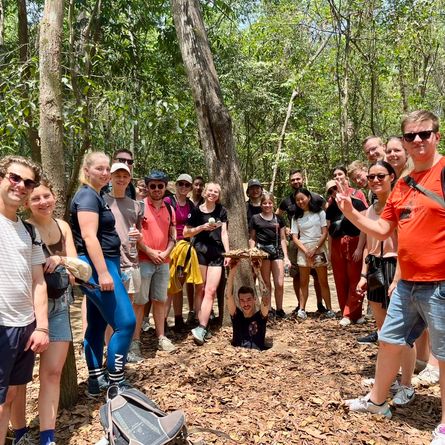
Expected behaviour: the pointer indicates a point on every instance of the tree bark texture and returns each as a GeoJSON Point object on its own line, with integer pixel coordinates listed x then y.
{"type": "Point", "coordinates": [51, 125]}
{"type": "Point", "coordinates": [214, 122]}
{"type": "Point", "coordinates": [68, 384]}
{"type": "Point", "coordinates": [23, 37]}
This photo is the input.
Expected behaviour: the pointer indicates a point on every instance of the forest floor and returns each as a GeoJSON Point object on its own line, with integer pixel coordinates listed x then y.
{"type": "Point", "coordinates": [290, 394]}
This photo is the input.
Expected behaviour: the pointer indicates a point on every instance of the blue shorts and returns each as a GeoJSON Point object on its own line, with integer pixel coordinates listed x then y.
{"type": "Point", "coordinates": [59, 318]}
{"type": "Point", "coordinates": [414, 306]}
{"type": "Point", "coordinates": [16, 364]}
{"type": "Point", "coordinates": [154, 282]}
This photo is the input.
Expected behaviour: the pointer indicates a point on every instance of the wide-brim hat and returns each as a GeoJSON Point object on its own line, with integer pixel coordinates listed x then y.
{"type": "Point", "coordinates": [77, 267]}
{"type": "Point", "coordinates": [330, 184]}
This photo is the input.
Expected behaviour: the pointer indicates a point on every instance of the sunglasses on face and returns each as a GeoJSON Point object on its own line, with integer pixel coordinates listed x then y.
{"type": "Point", "coordinates": [423, 135]}
{"type": "Point", "coordinates": [156, 186]}
{"type": "Point", "coordinates": [15, 179]}
{"type": "Point", "coordinates": [379, 176]}
{"type": "Point", "coordinates": [125, 161]}
{"type": "Point", "coordinates": [183, 184]}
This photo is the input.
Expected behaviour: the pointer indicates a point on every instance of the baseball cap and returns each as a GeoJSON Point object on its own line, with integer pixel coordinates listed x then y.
{"type": "Point", "coordinates": [119, 166]}
{"type": "Point", "coordinates": [253, 183]}
{"type": "Point", "coordinates": [330, 184]}
{"type": "Point", "coordinates": [156, 175]}
{"type": "Point", "coordinates": [185, 177]}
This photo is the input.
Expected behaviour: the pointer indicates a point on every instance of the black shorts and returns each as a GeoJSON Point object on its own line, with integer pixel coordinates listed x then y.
{"type": "Point", "coordinates": [16, 364]}
{"type": "Point", "coordinates": [380, 295]}
{"type": "Point", "coordinates": [209, 255]}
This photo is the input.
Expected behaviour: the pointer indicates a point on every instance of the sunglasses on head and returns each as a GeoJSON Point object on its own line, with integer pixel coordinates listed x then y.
{"type": "Point", "coordinates": [125, 161]}
{"type": "Point", "coordinates": [183, 184]}
{"type": "Point", "coordinates": [379, 176]}
{"type": "Point", "coordinates": [423, 135]}
{"type": "Point", "coordinates": [156, 186]}
{"type": "Point", "coordinates": [16, 179]}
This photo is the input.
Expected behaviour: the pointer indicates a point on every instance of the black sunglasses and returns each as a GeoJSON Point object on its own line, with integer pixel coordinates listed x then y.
{"type": "Point", "coordinates": [16, 179]}
{"type": "Point", "coordinates": [125, 161]}
{"type": "Point", "coordinates": [184, 184]}
{"type": "Point", "coordinates": [423, 135]}
{"type": "Point", "coordinates": [156, 186]}
{"type": "Point", "coordinates": [379, 176]}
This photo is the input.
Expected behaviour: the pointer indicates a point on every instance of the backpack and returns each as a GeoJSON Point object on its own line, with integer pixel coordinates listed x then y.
{"type": "Point", "coordinates": [174, 202]}
{"type": "Point", "coordinates": [57, 282]}
{"type": "Point", "coordinates": [129, 417]}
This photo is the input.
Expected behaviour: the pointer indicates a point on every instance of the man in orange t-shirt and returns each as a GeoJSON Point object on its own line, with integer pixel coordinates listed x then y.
{"type": "Point", "coordinates": [158, 240]}
{"type": "Point", "coordinates": [418, 300]}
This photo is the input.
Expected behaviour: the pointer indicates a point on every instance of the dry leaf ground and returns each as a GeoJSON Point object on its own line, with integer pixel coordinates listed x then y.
{"type": "Point", "coordinates": [290, 394]}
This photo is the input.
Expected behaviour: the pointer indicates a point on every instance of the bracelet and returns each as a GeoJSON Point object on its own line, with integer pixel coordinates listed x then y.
{"type": "Point", "coordinates": [45, 330]}
{"type": "Point", "coordinates": [363, 275]}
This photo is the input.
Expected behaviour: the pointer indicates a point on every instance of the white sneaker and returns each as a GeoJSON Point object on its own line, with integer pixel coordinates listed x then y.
{"type": "Point", "coordinates": [404, 395]}
{"type": "Point", "coordinates": [364, 405]}
{"type": "Point", "coordinates": [395, 387]}
{"type": "Point", "coordinates": [134, 353]}
{"type": "Point", "coordinates": [145, 325]}
{"type": "Point", "coordinates": [164, 344]}
{"type": "Point", "coordinates": [302, 314]}
{"type": "Point", "coordinates": [429, 376]}
{"type": "Point", "coordinates": [438, 435]}
{"type": "Point", "coordinates": [345, 321]}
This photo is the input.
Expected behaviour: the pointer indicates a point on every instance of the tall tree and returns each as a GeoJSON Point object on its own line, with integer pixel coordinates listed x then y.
{"type": "Point", "coordinates": [214, 122]}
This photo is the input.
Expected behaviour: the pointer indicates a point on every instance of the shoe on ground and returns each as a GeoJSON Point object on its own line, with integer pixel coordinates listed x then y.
{"type": "Point", "coordinates": [420, 366]}
{"type": "Point", "coordinates": [97, 385]}
{"type": "Point", "coordinates": [295, 311]}
{"type": "Point", "coordinates": [145, 325]}
{"type": "Point", "coordinates": [179, 326]}
{"type": "Point", "coordinates": [345, 321]}
{"type": "Point", "coordinates": [199, 333]}
{"type": "Point", "coordinates": [321, 309]}
{"type": "Point", "coordinates": [361, 320]}
{"type": "Point", "coordinates": [301, 314]}
{"type": "Point", "coordinates": [369, 339]}
{"type": "Point", "coordinates": [164, 344]}
{"type": "Point", "coordinates": [208, 335]}
{"type": "Point", "coordinates": [191, 319]}
{"type": "Point", "coordinates": [438, 435]}
{"type": "Point", "coordinates": [429, 376]}
{"type": "Point", "coordinates": [404, 395]}
{"type": "Point", "coordinates": [364, 405]}
{"type": "Point", "coordinates": [280, 314]}
{"type": "Point", "coordinates": [329, 314]}
{"type": "Point", "coordinates": [134, 353]}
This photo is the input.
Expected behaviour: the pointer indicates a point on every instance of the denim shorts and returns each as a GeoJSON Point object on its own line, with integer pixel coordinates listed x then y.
{"type": "Point", "coordinates": [16, 364]}
{"type": "Point", "coordinates": [414, 306]}
{"type": "Point", "coordinates": [59, 318]}
{"type": "Point", "coordinates": [154, 282]}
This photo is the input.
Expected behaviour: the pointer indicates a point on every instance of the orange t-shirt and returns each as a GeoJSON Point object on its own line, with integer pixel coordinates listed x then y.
{"type": "Point", "coordinates": [156, 228]}
{"type": "Point", "coordinates": [421, 226]}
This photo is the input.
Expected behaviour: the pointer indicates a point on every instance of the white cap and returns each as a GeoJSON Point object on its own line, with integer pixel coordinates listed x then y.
{"type": "Point", "coordinates": [119, 166]}
{"type": "Point", "coordinates": [185, 177]}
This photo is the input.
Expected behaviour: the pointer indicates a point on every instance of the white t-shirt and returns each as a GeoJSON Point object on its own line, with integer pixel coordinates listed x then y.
{"type": "Point", "coordinates": [309, 226]}
{"type": "Point", "coordinates": [17, 256]}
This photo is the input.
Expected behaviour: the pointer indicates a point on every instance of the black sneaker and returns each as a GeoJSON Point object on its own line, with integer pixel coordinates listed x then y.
{"type": "Point", "coordinates": [96, 386]}
{"type": "Point", "coordinates": [368, 339]}
{"type": "Point", "coordinates": [280, 314]}
{"type": "Point", "coordinates": [295, 311]}
{"type": "Point", "coordinates": [321, 309]}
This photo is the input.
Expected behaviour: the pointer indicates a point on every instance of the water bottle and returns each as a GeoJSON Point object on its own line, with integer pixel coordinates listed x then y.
{"type": "Point", "coordinates": [132, 243]}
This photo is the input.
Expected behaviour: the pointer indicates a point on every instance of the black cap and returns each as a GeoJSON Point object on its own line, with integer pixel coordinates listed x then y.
{"type": "Point", "coordinates": [253, 183]}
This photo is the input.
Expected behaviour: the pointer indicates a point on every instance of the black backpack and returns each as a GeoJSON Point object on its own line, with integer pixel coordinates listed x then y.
{"type": "Point", "coordinates": [130, 417]}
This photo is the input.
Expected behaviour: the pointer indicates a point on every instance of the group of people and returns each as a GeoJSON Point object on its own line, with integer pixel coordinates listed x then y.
{"type": "Point", "coordinates": [146, 245]}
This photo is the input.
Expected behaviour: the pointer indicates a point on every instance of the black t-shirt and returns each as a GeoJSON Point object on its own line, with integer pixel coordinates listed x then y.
{"type": "Point", "coordinates": [333, 213]}
{"type": "Point", "coordinates": [289, 206]}
{"type": "Point", "coordinates": [197, 218]}
{"type": "Point", "coordinates": [251, 210]}
{"type": "Point", "coordinates": [267, 232]}
{"type": "Point", "coordinates": [249, 332]}
{"type": "Point", "coordinates": [88, 200]}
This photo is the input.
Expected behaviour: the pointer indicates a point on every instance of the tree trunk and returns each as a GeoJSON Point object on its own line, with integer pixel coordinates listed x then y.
{"type": "Point", "coordinates": [2, 24]}
{"type": "Point", "coordinates": [23, 36]}
{"type": "Point", "coordinates": [214, 122]}
{"type": "Point", "coordinates": [51, 136]}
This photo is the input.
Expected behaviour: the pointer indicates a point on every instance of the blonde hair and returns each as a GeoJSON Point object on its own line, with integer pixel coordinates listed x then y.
{"type": "Point", "coordinates": [420, 116]}
{"type": "Point", "coordinates": [88, 160]}
{"type": "Point", "coordinates": [354, 166]}
{"type": "Point", "coordinates": [209, 184]}
{"type": "Point", "coordinates": [267, 196]}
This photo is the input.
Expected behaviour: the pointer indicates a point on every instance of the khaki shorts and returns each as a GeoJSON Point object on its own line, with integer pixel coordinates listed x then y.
{"type": "Point", "coordinates": [132, 282]}
{"type": "Point", "coordinates": [320, 257]}
{"type": "Point", "coordinates": [154, 283]}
